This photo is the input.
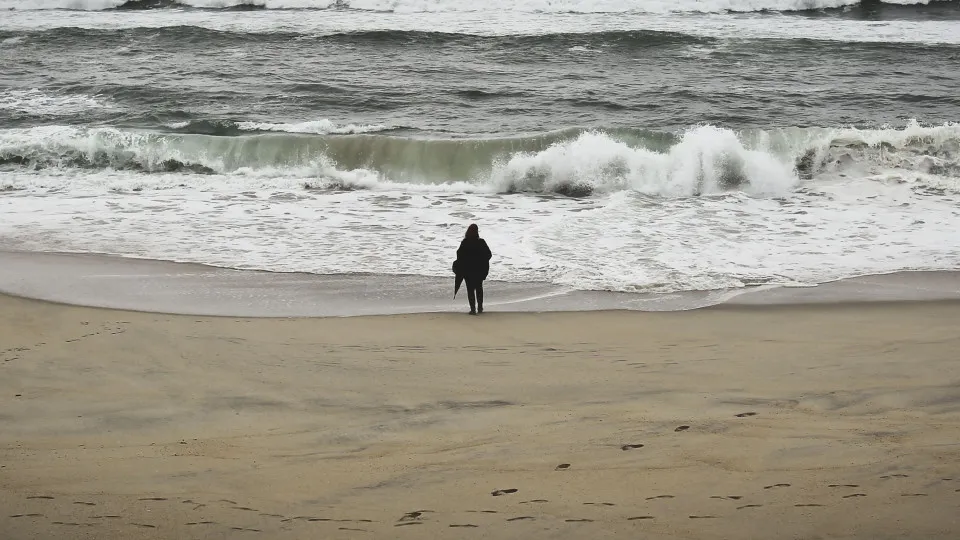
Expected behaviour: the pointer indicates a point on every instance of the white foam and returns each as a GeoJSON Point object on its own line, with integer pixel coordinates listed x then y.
{"type": "Point", "coordinates": [31, 5]}
{"type": "Point", "coordinates": [706, 160]}
{"type": "Point", "coordinates": [47, 144]}
{"type": "Point", "coordinates": [900, 137]}
{"type": "Point", "coordinates": [37, 103]}
{"type": "Point", "coordinates": [319, 127]}
{"type": "Point", "coordinates": [620, 241]}
{"type": "Point", "coordinates": [9, 42]}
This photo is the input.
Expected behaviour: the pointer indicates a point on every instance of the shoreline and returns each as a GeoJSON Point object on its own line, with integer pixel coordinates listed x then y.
{"type": "Point", "coordinates": [155, 286]}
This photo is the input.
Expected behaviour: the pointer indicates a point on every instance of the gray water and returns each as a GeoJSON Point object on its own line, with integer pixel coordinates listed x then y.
{"type": "Point", "coordinates": [156, 69]}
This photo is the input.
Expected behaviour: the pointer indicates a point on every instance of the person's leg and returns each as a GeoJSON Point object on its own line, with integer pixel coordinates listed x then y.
{"type": "Point", "coordinates": [471, 295]}
{"type": "Point", "coordinates": [479, 297]}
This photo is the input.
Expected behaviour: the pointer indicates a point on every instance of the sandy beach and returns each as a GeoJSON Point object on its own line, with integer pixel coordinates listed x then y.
{"type": "Point", "coordinates": [736, 422]}
{"type": "Point", "coordinates": [718, 241]}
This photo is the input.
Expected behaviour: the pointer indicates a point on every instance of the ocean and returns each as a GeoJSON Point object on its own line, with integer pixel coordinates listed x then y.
{"type": "Point", "coordinates": [648, 146]}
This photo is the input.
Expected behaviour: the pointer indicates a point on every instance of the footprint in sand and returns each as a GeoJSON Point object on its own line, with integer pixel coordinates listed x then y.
{"type": "Point", "coordinates": [655, 497]}
{"type": "Point", "coordinates": [539, 501]}
{"type": "Point", "coordinates": [152, 499]}
{"type": "Point", "coordinates": [408, 523]}
{"type": "Point", "coordinates": [412, 516]}
{"type": "Point", "coordinates": [521, 518]}
{"type": "Point", "coordinates": [913, 495]}
{"type": "Point", "coordinates": [144, 525]}
{"type": "Point", "coordinates": [349, 529]}
{"type": "Point", "coordinates": [562, 467]}
{"type": "Point", "coordinates": [745, 414]}
{"type": "Point", "coordinates": [811, 505]}
{"type": "Point", "coordinates": [776, 486]}
{"type": "Point", "coordinates": [843, 485]}
{"type": "Point", "coordinates": [26, 515]}
{"type": "Point", "coordinates": [85, 503]}
{"type": "Point", "coordinates": [635, 518]}
{"type": "Point", "coordinates": [749, 506]}
{"type": "Point", "coordinates": [47, 497]}
{"type": "Point", "coordinates": [202, 523]}
{"type": "Point", "coordinates": [682, 428]}
{"type": "Point", "coordinates": [631, 446]}
{"type": "Point", "coordinates": [852, 495]}
{"type": "Point", "coordinates": [599, 503]}
{"type": "Point", "coordinates": [464, 526]}
{"type": "Point", "coordinates": [581, 520]}
{"type": "Point", "coordinates": [703, 517]}
{"type": "Point", "coordinates": [245, 508]}
{"type": "Point", "coordinates": [888, 476]}
{"type": "Point", "coordinates": [500, 492]}
{"type": "Point", "coordinates": [727, 497]}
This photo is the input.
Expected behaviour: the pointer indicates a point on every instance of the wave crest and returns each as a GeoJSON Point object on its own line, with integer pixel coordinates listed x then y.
{"type": "Point", "coordinates": [706, 160]}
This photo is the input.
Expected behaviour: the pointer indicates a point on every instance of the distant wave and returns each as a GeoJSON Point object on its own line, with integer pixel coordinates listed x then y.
{"type": "Point", "coordinates": [200, 35]}
{"type": "Point", "coordinates": [41, 104]}
{"type": "Point", "coordinates": [567, 41]}
{"type": "Point", "coordinates": [230, 128]}
{"type": "Point", "coordinates": [536, 6]}
{"type": "Point", "coordinates": [233, 5]}
{"type": "Point", "coordinates": [574, 162]}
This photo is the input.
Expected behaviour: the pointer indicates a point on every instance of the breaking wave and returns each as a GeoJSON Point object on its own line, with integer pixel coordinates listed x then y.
{"type": "Point", "coordinates": [537, 6]}
{"type": "Point", "coordinates": [699, 161]}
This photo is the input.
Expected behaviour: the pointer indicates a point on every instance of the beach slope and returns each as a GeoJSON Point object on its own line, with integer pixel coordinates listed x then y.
{"type": "Point", "coordinates": [827, 421]}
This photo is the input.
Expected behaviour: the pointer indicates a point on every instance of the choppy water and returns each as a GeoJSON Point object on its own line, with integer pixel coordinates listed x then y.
{"type": "Point", "coordinates": [633, 145]}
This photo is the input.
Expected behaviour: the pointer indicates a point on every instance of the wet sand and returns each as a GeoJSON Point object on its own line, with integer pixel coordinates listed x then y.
{"type": "Point", "coordinates": [734, 422]}
{"type": "Point", "coordinates": [169, 287]}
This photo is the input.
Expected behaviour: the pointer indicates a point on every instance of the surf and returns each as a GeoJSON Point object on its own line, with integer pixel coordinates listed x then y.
{"type": "Point", "coordinates": [576, 162]}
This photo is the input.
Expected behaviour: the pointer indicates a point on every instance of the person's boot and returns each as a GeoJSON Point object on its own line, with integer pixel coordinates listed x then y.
{"type": "Point", "coordinates": [479, 301]}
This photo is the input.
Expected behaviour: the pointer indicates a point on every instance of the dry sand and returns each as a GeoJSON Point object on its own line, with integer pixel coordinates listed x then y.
{"type": "Point", "coordinates": [829, 421]}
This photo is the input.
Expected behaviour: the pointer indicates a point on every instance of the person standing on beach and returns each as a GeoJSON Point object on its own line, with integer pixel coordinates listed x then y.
{"type": "Point", "coordinates": [473, 263]}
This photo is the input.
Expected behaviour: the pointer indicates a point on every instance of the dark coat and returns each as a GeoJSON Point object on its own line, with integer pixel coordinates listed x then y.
{"type": "Point", "coordinates": [473, 259]}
